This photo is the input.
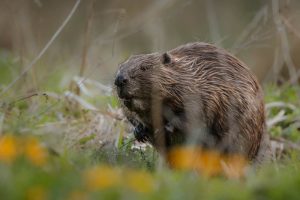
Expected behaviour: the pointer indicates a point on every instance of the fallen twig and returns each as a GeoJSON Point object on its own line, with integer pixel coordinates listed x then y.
{"type": "Point", "coordinates": [278, 118]}
{"type": "Point", "coordinates": [280, 104]}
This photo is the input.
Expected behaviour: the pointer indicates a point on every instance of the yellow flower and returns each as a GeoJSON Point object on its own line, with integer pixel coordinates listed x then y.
{"type": "Point", "coordinates": [140, 181]}
{"type": "Point", "coordinates": [182, 158]}
{"type": "Point", "coordinates": [37, 154]}
{"type": "Point", "coordinates": [192, 158]}
{"type": "Point", "coordinates": [36, 193]}
{"type": "Point", "coordinates": [101, 177]}
{"type": "Point", "coordinates": [234, 166]}
{"type": "Point", "coordinates": [8, 149]}
{"type": "Point", "coordinates": [207, 162]}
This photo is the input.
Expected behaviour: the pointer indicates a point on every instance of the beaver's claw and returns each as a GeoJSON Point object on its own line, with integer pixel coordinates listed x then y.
{"type": "Point", "coordinates": [141, 133]}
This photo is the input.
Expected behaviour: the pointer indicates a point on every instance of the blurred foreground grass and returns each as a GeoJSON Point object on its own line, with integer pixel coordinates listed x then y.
{"type": "Point", "coordinates": [55, 144]}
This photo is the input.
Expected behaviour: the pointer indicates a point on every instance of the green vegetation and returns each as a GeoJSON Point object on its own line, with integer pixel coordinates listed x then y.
{"type": "Point", "coordinates": [56, 145]}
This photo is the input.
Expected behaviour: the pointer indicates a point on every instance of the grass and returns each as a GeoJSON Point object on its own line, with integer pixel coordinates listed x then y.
{"type": "Point", "coordinates": [55, 145]}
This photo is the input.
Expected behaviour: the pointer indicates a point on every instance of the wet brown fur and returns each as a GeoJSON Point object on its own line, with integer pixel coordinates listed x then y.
{"type": "Point", "coordinates": [206, 94]}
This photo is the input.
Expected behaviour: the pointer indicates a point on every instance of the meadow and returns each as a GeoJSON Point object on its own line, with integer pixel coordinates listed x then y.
{"type": "Point", "coordinates": [61, 145]}
{"type": "Point", "coordinates": [63, 134]}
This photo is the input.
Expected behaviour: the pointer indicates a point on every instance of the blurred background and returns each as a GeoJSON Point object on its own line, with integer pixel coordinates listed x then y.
{"type": "Point", "coordinates": [101, 34]}
{"type": "Point", "coordinates": [59, 117]}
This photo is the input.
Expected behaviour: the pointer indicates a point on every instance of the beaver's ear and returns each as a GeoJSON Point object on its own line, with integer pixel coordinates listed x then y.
{"type": "Point", "coordinates": [166, 58]}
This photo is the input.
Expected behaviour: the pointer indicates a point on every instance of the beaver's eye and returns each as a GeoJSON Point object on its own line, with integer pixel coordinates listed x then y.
{"type": "Point", "coordinates": [145, 67]}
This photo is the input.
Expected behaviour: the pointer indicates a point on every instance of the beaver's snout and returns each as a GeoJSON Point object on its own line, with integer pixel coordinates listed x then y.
{"type": "Point", "coordinates": [121, 82]}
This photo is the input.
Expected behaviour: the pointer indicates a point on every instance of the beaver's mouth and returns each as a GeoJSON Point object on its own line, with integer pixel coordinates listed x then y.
{"type": "Point", "coordinates": [128, 103]}
{"type": "Point", "coordinates": [125, 97]}
{"type": "Point", "coordinates": [123, 93]}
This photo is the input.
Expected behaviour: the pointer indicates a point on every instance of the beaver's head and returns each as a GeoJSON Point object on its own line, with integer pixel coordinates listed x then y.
{"type": "Point", "coordinates": [135, 83]}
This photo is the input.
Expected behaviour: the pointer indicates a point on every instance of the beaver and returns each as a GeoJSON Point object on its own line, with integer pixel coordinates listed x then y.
{"type": "Point", "coordinates": [196, 93]}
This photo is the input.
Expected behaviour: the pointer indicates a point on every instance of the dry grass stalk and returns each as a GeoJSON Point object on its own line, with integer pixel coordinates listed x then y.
{"type": "Point", "coordinates": [86, 43]}
{"type": "Point", "coordinates": [43, 51]}
{"type": "Point", "coordinates": [284, 42]}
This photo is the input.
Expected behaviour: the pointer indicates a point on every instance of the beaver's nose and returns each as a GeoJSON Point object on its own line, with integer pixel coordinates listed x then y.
{"type": "Point", "coordinates": [120, 80]}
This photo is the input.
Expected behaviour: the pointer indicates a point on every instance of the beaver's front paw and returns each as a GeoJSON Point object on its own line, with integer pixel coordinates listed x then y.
{"type": "Point", "coordinates": [141, 133]}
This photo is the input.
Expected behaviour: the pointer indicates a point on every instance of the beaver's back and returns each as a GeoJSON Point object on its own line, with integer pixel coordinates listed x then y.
{"type": "Point", "coordinates": [217, 88]}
